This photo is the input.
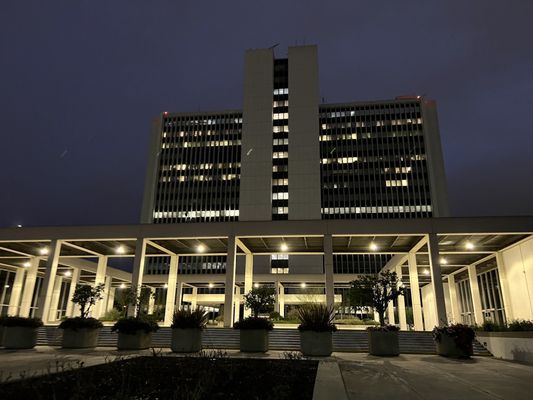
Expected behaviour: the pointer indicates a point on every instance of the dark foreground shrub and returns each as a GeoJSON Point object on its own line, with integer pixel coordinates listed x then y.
{"type": "Point", "coordinates": [80, 323]}
{"type": "Point", "coordinates": [254, 323]}
{"type": "Point", "coordinates": [131, 325]}
{"type": "Point", "coordinates": [21, 322]}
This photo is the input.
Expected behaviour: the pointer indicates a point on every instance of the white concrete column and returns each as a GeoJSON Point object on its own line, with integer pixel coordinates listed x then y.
{"type": "Point", "coordinates": [390, 313]}
{"type": "Point", "coordinates": [402, 316]}
{"type": "Point", "coordinates": [105, 299]}
{"type": "Point", "coordinates": [194, 298]}
{"type": "Point", "coordinates": [29, 287]}
{"type": "Point", "coordinates": [229, 293]}
{"type": "Point", "coordinates": [280, 299]}
{"type": "Point", "coordinates": [16, 293]}
{"type": "Point", "coordinates": [98, 309]}
{"type": "Point", "coordinates": [138, 269]}
{"type": "Point", "coordinates": [248, 279]}
{"type": "Point", "coordinates": [504, 287]}
{"type": "Point", "coordinates": [179, 294]}
{"type": "Point", "coordinates": [474, 292]}
{"type": "Point", "coordinates": [170, 301]}
{"type": "Point", "coordinates": [328, 270]}
{"type": "Point", "coordinates": [436, 279]}
{"type": "Point", "coordinates": [110, 298]}
{"type": "Point", "coordinates": [45, 298]}
{"type": "Point", "coordinates": [54, 303]}
{"type": "Point", "coordinates": [454, 301]}
{"type": "Point", "coordinates": [418, 322]}
{"type": "Point", "coordinates": [151, 301]}
{"type": "Point", "coordinates": [73, 309]}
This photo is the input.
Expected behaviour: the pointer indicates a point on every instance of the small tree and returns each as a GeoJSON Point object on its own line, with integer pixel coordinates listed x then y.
{"type": "Point", "coordinates": [136, 296]}
{"type": "Point", "coordinates": [86, 296]}
{"type": "Point", "coordinates": [375, 291]}
{"type": "Point", "coordinates": [260, 300]}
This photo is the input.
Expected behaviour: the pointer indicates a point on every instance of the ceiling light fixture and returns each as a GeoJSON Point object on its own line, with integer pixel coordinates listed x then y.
{"type": "Point", "coordinates": [211, 285]}
{"type": "Point", "coordinates": [303, 284]}
{"type": "Point", "coordinates": [373, 246]}
{"type": "Point", "coordinates": [26, 264]}
{"type": "Point", "coordinates": [43, 251]}
{"type": "Point", "coordinates": [200, 248]}
{"type": "Point", "coordinates": [120, 250]}
{"type": "Point", "coordinates": [469, 245]}
{"type": "Point", "coordinates": [284, 247]}
{"type": "Point", "coordinates": [67, 273]}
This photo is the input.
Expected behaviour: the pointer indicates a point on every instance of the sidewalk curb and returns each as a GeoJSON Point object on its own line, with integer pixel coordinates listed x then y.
{"type": "Point", "coordinates": [329, 384]}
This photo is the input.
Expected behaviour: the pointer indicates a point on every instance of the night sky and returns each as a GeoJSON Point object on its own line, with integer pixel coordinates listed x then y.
{"type": "Point", "coordinates": [80, 82]}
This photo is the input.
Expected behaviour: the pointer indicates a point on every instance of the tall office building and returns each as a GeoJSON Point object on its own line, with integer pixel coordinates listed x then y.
{"type": "Point", "coordinates": [285, 156]}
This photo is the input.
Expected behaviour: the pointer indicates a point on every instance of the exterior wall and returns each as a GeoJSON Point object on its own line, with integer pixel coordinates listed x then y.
{"type": "Point", "coordinates": [435, 161]}
{"type": "Point", "coordinates": [255, 202]}
{"type": "Point", "coordinates": [514, 346]}
{"type": "Point", "coordinates": [518, 267]}
{"type": "Point", "coordinates": [304, 168]}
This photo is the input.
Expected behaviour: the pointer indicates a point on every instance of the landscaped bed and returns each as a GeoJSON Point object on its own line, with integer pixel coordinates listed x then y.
{"type": "Point", "coordinates": [174, 378]}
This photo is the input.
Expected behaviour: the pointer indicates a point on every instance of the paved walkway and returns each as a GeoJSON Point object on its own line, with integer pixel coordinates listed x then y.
{"type": "Point", "coordinates": [342, 376]}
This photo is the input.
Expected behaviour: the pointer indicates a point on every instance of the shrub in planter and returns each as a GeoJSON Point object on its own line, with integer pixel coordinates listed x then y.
{"type": "Point", "coordinates": [19, 332]}
{"type": "Point", "coordinates": [254, 330]}
{"type": "Point", "coordinates": [377, 291]}
{"type": "Point", "coordinates": [187, 326]}
{"type": "Point", "coordinates": [316, 329]}
{"type": "Point", "coordinates": [454, 340]}
{"type": "Point", "coordinates": [134, 333]}
{"type": "Point", "coordinates": [383, 340]}
{"type": "Point", "coordinates": [82, 332]}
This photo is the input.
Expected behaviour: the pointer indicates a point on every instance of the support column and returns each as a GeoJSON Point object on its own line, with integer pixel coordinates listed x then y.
{"type": "Point", "coordinates": [194, 298]}
{"type": "Point", "coordinates": [248, 279]}
{"type": "Point", "coordinates": [98, 308]}
{"type": "Point", "coordinates": [16, 293]}
{"type": "Point", "coordinates": [54, 303]}
{"type": "Point", "coordinates": [170, 302]}
{"type": "Point", "coordinates": [280, 299]}
{"type": "Point", "coordinates": [229, 293]}
{"type": "Point", "coordinates": [328, 270]}
{"type": "Point", "coordinates": [402, 316]}
{"type": "Point", "coordinates": [474, 292]}
{"type": "Point", "coordinates": [29, 287]}
{"type": "Point", "coordinates": [138, 269]}
{"type": "Point", "coordinates": [179, 294]}
{"type": "Point", "coordinates": [454, 303]}
{"type": "Point", "coordinates": [110, 298]}
{"type": "Point", "coordinates": [72, 311]}
{"type": "Point", "coordinates": [390, 313]}
{"type": "Point", "coordinates": [151, 301]}
{"type": "Point", "coordinates": [415, 292]}
{"type": "Point", "coordinates": [504, 287]}
{"type": "Point", "coordinates": [45, 298]}
{"type": "Point", "coordinates": [436, 279]}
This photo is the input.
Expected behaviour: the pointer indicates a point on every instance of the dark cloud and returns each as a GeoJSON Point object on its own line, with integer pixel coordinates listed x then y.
{"type": "Point", "coordinates": [88, 77]}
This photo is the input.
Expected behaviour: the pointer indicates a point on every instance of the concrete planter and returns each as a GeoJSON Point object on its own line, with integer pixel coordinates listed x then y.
{"type": "Point", "coordinates": [384, 344]}
{"type": "Point", "coordinates": [316, 344]}
{"type": "Point", "coordinates": [82, 338]}
{"type": "Point", "coordinates": [253, 340]}
{"type": "Point", "coordinates": [139, 340]}
{"type": "Point", "coordinates": [515, 346]}
{"type": "Point", "coordinates": [186, 340]}
{"type": "Point", "coordinates": [446, 347]}
{"type": "Point", "coordinates": [20, 337]}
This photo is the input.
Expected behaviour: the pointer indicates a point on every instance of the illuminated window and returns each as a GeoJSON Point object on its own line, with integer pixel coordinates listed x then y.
{"type": "Point", "coordinates": [396, 183]}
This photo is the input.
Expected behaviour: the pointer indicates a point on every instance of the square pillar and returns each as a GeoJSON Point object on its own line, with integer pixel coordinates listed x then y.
{"type": "Point", "coordinates": [436, 279]}
{"type": "Point", "coordinates": [110, 298]}
{"type": "Point", "coordinates": [229, 292]}
{"type": "Point", "coordinates": [170, 301]}
{"type": "Point", "coordinates": [45, 298]}
{"type": "Point", "coordinates": [415, 292]}
{"type": "Point", "coordinates": [16, 293]}
{"type": "Point", "coordinates": [248, 279]}
{"type": "Point", "coordinates": [328, 270]}
{"type": "Point", "coordinates": [151, 301]}
{"type": "Point", "coordinates": [72, 310]}
{"type": "Point", "coordinates": [474, 292]}
{"type": "Point", "coordinates": [402, 316]}
{"type": "Point", "coordinates": [504, 287]}
{"type": "Point", "coordinates": [29, 287]}
{"type": "Point", "coordinates": [390, 313]}
{"type": "Point", "coordinates": [179, 294]}
{"type": "Point", "coordinates": [280, 299]}
{"type": "Point", "coordinates": [99, 308]}
{"type": "Point", "coordinates": [138, 269]}
{"type": "Point", "coordinates": [56, 295]}
{"type": "Point", "coordinates": [454, 303]}
{"type": "Point", "coordinates": [194, 298]}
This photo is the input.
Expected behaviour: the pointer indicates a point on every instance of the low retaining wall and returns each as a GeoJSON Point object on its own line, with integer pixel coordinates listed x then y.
{"type": "Point", "coordinates": [514, 346]}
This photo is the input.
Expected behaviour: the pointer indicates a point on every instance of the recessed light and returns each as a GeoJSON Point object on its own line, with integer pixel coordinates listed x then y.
{"type": "Point", "coordinates": [43, 251]}
{"type": "Point", "coordinates": [443, 260]}
{"type": "Point", "coordinates": [256, 285]}
{"type": "Point", "coordinates": [426, 271]}
{"type": "Point", "coordinates": [373, 247]}
{"type": "Point", "coordinates": [284, 247]}
{"type": "Point", "coordinates": [122, 286]}
{"type": "Point", "coordinates": [211, 285]}
{"type": "Point", "coordinates": [469, 246]}
{"type": "Point", "coordinates": [303, 284]}
{"type": "Point", "coordinates": [200, 248]}
{"type": "Point", "coordinates": [67, 273]}
{"type": "Point", "coordinates": [26, 264]}
{"type": "Point", "coordinates": [120, 250]}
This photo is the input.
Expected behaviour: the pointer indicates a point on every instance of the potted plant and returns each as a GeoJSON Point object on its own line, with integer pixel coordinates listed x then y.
{"type": "Point", "coordinates": [187, 326]}
{"type": "Point", "coordinates": [254, 329]}
{"type": "Point", "coordinates": [316, 329]}
{"type": "Point", "coordinates": [454, 340]}
{"type": "Point", "coordinates": [377, 291]}
{"type": "Point", "coordinates": [82, 332]}
{"type": "Point", "coordinates": [19, 332]}
{"type": "Point", "coordinates": [135, 332]}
